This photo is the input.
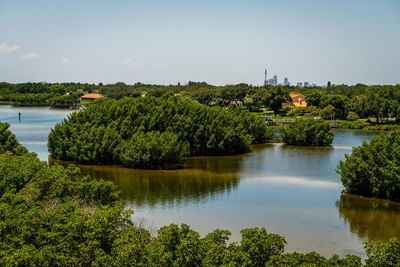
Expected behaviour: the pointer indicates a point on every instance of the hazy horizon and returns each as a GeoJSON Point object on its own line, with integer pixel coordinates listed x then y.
{"type": "Point", "coordinates": [218, 42]}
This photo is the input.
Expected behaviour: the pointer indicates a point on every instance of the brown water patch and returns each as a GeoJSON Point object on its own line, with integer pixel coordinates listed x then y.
{"type": "Point", "coordinates": [368, 218]}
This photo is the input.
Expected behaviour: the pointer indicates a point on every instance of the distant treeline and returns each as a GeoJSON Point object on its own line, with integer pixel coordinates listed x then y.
{"type": "Point", "coordinates": [337, 101]}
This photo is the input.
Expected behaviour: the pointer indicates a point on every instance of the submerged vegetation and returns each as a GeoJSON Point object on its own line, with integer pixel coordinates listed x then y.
{"type": "Point", "coordinates": [153, 132]}
{"type": "Point", "coordinates": [50, 216]}
{"type": "Point", "coordinates": [307, 132]}
{"type": "Point", "coordinates": [373, 169]}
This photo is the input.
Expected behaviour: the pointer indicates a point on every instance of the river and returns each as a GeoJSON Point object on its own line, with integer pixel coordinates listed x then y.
{"type": "Point", "coordinates": [293, 191]}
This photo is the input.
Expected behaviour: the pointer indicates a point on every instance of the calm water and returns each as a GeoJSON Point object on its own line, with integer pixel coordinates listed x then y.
{"type": "Point", "coordinates": [34, 127]}
{"type": "Point", "coordinates": [293, 191]}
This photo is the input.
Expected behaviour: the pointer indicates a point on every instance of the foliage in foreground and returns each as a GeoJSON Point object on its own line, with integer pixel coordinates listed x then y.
{"type": "Point", "coordinates": [50, 216]}
{"type": "Point", "coordinates": [373, 169]}
{"type": "Point", "coordinates": [154, 130]}
{"type": "Point", "coordinates": [307, 132]}
{"type": "Point", "coordinates": [8, 141]}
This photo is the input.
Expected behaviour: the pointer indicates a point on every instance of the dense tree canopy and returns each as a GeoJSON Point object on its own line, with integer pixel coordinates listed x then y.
{"type": "Point", "coordinates": [373, 169]}
{"type": "Point", "coordinates": [307, 132]}
{"type": "Point", "coordinates": [148, 132]}
{"type": "Point", "coordinates": [153, 150]}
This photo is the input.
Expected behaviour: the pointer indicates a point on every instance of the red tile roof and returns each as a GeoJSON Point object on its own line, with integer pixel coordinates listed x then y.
{"type": "Point", "coordinates": [92, 96]}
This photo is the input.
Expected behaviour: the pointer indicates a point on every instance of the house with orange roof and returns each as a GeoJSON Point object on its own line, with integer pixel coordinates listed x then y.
{"type": "Point", "coordinates": [299, 100]}
{"type": "Point", "coordinates": [91, 97]}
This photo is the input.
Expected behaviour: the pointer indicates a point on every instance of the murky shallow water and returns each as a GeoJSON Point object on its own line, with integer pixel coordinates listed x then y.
{"type": "Point", "coordinates": [293, 191]}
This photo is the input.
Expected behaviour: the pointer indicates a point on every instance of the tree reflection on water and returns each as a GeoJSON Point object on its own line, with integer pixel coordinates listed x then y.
{"type": "Point", "coordinates": [372, 219]}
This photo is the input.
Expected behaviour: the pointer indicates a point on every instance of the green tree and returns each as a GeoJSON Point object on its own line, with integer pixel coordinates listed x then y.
{"type": "Point", "coordinates": [98, 134]}
{"type": "Point", "coordinates": [8, 141]}
{"type": "Point", "coordinates": [352, 116]}
{"type": "Point", "coordinates": [153, 150]}
{"type": "Point", "coordinates": [383, 254]}
{"type": "Point", "coordinates": [307, 132]}
{"type": "Point", "coordinates": [259, 245]}
{"type": "Point", "coordinates": [328, 112]}
{"type": "Point", "coordinates": [176, 246]}
{"type": "Point", "coordinates": [373, 169]}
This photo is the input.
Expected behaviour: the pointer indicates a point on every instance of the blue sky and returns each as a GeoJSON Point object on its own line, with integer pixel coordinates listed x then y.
{"type": "Point", "coordinates": [219, 41]}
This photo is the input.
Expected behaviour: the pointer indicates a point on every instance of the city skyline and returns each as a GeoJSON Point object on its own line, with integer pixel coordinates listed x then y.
{"type": "Point", "coordinates": [285, 81]}
{"type": "Point", "coordinates": [224, 42]}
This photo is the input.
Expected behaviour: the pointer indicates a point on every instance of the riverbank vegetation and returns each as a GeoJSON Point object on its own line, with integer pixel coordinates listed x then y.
{"type": "Point", "coordinates": [153, 132]}
{"type": "Point", "coordinates": [368, 125]}
{"type": "Point", "coordinates": [307, 132]}
{"type": "Point", "coordinates": [50, 216]}
{"type": "Point", "coordinates": [373, 169]}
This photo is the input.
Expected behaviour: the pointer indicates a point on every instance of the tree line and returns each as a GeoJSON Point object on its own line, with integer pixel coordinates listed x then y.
{"type": "Point", "coordinates": [50, 216]}
{"type": "Point", "coordinates": [336, 101]}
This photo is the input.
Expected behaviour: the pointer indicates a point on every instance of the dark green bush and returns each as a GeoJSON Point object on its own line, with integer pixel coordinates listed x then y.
{"type": "Point", "coordinates": [352, 116]}
{"type": "Point", "coordinates": [97, 134]}
{"type": "Point", "coordinates": [383, 254]}
{"type": "Point", "coordinates": [357, 124]}
{"type": "Point", "coordinates": [313, 259]}
{"type": "Point", "coordinates": [307, 132]}
{"type": "Point", "coordinates": [8, 141]}
{"type": "Point", "coordinates": [153, 150]}
{"type": "Point", "coordinates": [373, 169]}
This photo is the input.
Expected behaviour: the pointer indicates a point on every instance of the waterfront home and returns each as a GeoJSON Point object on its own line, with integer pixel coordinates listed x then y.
{"type": "Point", "coordinates": [299, 100]}
{"type": "Point", "coordinates": [90, 97]}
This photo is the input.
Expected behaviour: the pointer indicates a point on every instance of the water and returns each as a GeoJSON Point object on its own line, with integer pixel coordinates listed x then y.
{"type": "Point", "coordinates": [34, 127]}
{"type": "Point", "coordinates": [293, 191]}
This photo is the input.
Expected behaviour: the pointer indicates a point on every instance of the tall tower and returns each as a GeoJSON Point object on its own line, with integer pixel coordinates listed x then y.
{"type": "Point", "coordinates": [265, 77]}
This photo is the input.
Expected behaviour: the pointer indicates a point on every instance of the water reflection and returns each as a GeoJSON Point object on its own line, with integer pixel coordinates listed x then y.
{"type": "Point", "coordinates": [370, 219]}
{"type": "Point", "coordinates": [165, 187]}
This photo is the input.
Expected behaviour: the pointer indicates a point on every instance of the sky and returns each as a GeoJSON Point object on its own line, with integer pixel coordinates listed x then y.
{"type": "Point", "coordinates": [216, 41]}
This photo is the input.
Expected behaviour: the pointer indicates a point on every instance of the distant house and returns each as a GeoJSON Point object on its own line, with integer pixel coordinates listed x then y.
{"type": "Point", "coordinates": [91, 97]}
{"type": "Point", "coordinates": [299, 100]}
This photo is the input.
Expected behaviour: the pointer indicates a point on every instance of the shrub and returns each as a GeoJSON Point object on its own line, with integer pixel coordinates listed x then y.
{"type": "Point", "coordinates": [313, 259]}
{"type": "Point", "coordinates": [8, 141]}
{"type": "Point", "coordinates": [373, 169]}
{"type": "Point", "coordinates": [97, 134]}
{"type": "Point", "coordinates": [296, 112]}
{"type": "Point", "coordinates": [357, 124]}
{"type": "Point", "coordinates": [352, 116]}
{"type": "Point", "coordinates": [383, 254]}
{"type": "Point", "coordinates": [153, 150]}
{"type": "Point", "coordinates": [307, 132]}
{"type": "Point", "coordinates": [328, 112]}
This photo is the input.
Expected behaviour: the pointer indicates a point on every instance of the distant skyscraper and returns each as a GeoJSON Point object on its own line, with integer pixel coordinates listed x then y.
{"type": "Point", "coordinates": [265, 77]}
{"type": "Point", "coordinates": [306, 84]}
{"type": "Point", "coordinates": [299, 84]}
{"type": "Point", "coordinates": [286, 81]}
{"type": "Point", "coordinates": [275, 80]}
